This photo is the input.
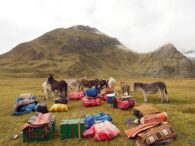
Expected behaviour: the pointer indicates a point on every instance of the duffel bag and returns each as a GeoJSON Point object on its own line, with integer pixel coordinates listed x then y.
{"type": "Point", "coordinates": [93, 92]}
{"type": "Point", "coordinates": [125, 103]}
{"type": "Point", "coordinates": [87, 102]}
{"type": "Point", "coordinates": [76, 95]}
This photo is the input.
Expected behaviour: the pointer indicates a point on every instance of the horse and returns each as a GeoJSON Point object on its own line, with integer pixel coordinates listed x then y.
{"type": "Point", "coordinates": [111, 82]}
{"type": "Point", "coordinates": [125, 88]}
{"type": "Point", "coordinates": [73, 84]}
{"type": "Point", "coordinates": [88, 83]}
{"type": "Point", "coordinates": [46, 89]}
{"type": "Point", "coordinates": [152, 88]}
{"type": "Point", "coordinates": [60, 86]}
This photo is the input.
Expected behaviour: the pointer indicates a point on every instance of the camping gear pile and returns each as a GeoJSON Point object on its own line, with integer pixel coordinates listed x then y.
{"type": "Point", "coordinates": [39, 127]}
{"type": "Point", "coordinates": [99, 127]}
{"type": "Point", "coordinates": [25, 103]}
{"type": "Point", "coordinates": [91, 97]}
{"type": "Point", "coordinates": [153, 128]}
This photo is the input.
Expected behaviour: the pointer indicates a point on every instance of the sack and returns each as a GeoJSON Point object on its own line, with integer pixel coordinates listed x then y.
{"type": "Point", "coordinates": [142, 110]}
{"type": "Point", "coordinates": [76, 95]}
{"type": "Point", "coordinates": [41, 108]}
{"type": "Point", "coordinates": [156, 134]}
{"type": "Point", "coordinates": [93, 92]}
{"type": "Point", "coordinates": [87, 102]}
{"type": "Point", "coordinates": [91, 119]}
{"type": "Point", "coordinates": [160, 117]}
{"type": "Point", "coordinates": [125, 103]}
{"type": "Point", "coordinates": [59, 108]}
{"type": "Point", "coordinates": [102, 131]}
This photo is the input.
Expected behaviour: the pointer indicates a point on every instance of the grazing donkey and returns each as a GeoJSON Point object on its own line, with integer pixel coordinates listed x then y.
{"type": "Point", "coordinates": [152, 88]}
{"type": "Point", "coordinates": [46, 89]}
{"type": "Point", "coordinates": [125, 87]}
{"type": "Point", "coordinates": [60, 86]}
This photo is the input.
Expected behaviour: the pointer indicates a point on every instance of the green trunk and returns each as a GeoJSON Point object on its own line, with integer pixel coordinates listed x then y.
{"type": "Point", "coordinates": [72, 128]}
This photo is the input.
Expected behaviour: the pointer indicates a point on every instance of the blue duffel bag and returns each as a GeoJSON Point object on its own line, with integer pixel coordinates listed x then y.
{"type": "Point", "coordinates": [91, 119]}
{"type": "Point", "coordinates": [30, 107]}
{"type": "Point", "coordinates": [93, 92]}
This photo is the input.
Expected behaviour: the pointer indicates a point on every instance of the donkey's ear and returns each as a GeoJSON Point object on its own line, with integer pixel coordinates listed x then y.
{"type": "Point", "coordinates": [50, 75]}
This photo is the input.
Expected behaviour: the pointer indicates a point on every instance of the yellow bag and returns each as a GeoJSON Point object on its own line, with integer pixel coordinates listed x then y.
{"type": "Point", "coordinates": [59, 108]}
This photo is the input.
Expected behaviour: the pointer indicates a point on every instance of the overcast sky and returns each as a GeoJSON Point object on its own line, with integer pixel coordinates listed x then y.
{"type": "Point", "coordinates": [141, 25]}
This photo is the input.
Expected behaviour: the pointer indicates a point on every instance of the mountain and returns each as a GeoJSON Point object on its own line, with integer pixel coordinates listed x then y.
{"type": "Point", "coordinates": [166, 61]}
{"type": "Point", "coordinates": [73, 52]}
{"type": "Point", "coordinates": [83, 50]}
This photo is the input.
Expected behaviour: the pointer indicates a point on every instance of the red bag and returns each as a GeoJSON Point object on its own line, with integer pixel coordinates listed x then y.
{"type": "Point", "coordinates": [87, 101]}
{"type": "Point", "coordinates": [102, 131]}
{"type": "Point", "coordinates": [76, 95]}
{"type": "Point", "coordinates": [125, 103]}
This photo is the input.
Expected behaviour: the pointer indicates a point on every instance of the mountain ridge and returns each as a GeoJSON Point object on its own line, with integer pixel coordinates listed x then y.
{"type": "Point", "coordinates": [83, 50]}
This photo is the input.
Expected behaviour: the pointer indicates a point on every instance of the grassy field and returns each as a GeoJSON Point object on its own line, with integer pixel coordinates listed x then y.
{"type": "Point", "coordinates": [181, 111]}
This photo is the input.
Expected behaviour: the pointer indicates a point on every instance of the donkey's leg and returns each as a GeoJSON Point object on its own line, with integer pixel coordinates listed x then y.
{"type": "Point", "coordinates": [145, 97]}
{"type": "Point", "coordinates": [162, 95]}
{"type": "Point", "coordinates": [166, 96]}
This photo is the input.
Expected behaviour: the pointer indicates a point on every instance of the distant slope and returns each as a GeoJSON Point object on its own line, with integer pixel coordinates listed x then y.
{"type": "Point", "coordinates": [166, 61]}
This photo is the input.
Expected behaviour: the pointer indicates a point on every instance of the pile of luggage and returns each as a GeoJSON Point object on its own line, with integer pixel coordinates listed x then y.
{"type": "Point", "coordinates": [153, 127]}
{"type": "Point", "coordinates": [25, 103]}
{"type": "Point", "coordinates": [92, 97]}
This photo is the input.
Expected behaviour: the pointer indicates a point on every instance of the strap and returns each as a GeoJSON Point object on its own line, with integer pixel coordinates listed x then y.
{"type": "Point", "coordinates": [79, 129]}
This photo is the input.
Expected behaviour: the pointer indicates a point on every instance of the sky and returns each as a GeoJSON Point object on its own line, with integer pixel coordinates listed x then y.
{"type": "Point", "coordinates": [141, 25]}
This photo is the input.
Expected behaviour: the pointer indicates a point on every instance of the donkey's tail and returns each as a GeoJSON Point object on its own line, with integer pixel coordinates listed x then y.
{"type": "Point", "coordinates": [166, 90]}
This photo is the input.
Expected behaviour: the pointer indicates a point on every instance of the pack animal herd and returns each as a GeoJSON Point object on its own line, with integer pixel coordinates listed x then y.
{"type": "Point", "coordinates": [60, 88]}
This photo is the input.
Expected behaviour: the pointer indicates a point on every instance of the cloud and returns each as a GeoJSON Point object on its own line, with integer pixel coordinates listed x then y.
{"type": "Point", "coordinates": [141, 25]}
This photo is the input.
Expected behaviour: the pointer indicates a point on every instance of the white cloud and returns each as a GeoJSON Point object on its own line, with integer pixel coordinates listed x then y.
{"type": "Point", "coordinates": [141, 25]}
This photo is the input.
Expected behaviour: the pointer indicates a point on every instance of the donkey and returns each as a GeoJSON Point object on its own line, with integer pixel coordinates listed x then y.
{"type": "Point", "coordinates": [152, 88]}
{"type": "Point", "coordinates": [46, 89]}
{"type": "Point", "coordinates": [125, 88]}
{"type": "Point", "coordinates": [60, 86]}
{"type": "Point", "coordinates": [73, 84]}
{"type": "Point", "coordinates": [111, 82]}
{"type": "Point", "coordinates": [103, 84]}
{"type": "Point", "coordinates": [88, 83]}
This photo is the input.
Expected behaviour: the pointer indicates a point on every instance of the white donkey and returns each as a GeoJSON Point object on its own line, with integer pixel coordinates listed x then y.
{"type": "Point", "coordinates": [73, 84]}
{"type": "Point", "coordinates": [46, 89]}
{"type": "Point", "coordinates": [111, 82]}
